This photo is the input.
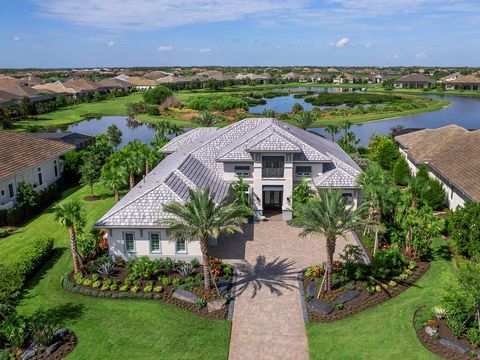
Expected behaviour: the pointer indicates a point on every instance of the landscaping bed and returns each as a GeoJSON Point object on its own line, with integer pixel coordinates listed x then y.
{"type": "Point", "coordinates": [66, 347]}
{"type": "Point", "coordinates": [358, 286]}
{"type": "Point", "coordinates": [173, 282]}
{"type": "Point", "coordinates": [444, 344]}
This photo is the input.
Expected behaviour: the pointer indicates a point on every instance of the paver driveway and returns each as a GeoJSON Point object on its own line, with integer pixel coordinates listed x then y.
{"type": "Point", "coordinates": [267, 320]}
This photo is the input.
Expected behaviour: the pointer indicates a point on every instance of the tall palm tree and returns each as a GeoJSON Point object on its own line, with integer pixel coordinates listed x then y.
{"type": "Point", "coordinates": [377, 189]}
{"type": "Point", "coordinates": [114, 174]}
{"type": "Point", "coordinates": [327, 215]}
{"type": "Point", "coordinates": [200, 218]}
{"type": "Point", "coordinates": [304, 119]}
{"type": "Point", "coordinates": [72, 215]}
{"type": "Point", "coordinates": [133, 160]}
{"type": "Point", "coordinates": [166, 127]}
{"type": "Point", "coordinates": [332, 129]}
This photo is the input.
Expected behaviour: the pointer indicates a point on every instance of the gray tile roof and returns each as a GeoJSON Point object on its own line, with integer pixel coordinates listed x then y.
{"type": "Point", "coordinates": [197, 158]}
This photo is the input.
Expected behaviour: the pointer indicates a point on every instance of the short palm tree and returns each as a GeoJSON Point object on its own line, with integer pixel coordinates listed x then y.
{"type": "Point", "coordinates": [207, 119]}
{"type": "Point", "coordinates": [332, 129]}
{"type": "Point", "coordinates": [133, 160]}
{"type": "Point", "coordinates": [72, 215]}
{"type": "Point", "coordinates": [327, 215]}
{"type": "Point", "coordinates": [200, 218]}
{"type": "Point", "coordinates": [304, 119]}
{"type": "Point", "coordinates": [378, 194]}
{"type": "Point", "coordinates": [114, 174]}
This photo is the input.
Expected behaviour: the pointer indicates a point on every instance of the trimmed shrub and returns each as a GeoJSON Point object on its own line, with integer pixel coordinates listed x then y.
{"type": "Point", "coordinates": [13, 277]}
{"type": "Point", "coordinates": [433, 195]}
{"type": "Point", "coordinates": [217, 103]}
{"type": "Point", "coordinates": [401, 172]}
{"type": "Point", "coordinates": [384, 150]}
{"type": "Point", "coordinates": [153, 110]}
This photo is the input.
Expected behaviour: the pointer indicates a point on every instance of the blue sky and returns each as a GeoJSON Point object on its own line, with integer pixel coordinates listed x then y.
{"type": "Point", "coordinates": [81, 33]}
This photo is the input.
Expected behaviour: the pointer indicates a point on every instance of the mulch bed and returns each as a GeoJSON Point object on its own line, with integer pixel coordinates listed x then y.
{"type": "Point", "coordinates": [166, 296]}
{"type": "Point", "coordinates": [92, 198]}
{"type": "Point", "coordinates": [365, 300]}
{"type": "Point", "coordinates": [65, 349]}
{"type": "Point", "coordinates": [432, 343]}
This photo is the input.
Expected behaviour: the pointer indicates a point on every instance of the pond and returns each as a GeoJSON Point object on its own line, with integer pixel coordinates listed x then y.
{"type": "Point", "coordinates": [463, 111]}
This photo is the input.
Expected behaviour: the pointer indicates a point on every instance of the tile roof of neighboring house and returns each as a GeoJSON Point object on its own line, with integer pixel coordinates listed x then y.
{"type": "Point", "coordinates": [56, 87]}
{"type": "Point", "coordinates": [468, 79]}
{"type": "Point", "coordinates": [77, 139]}
{"type": "Point", "coordinates": [19, 151]}
{"type": "Point", "coordinates": [8, 80]}
{"type": "Point", "coordinates": [31, 80]}
{"type": "Point", "coordinates": [112, 83]}
{"type": "Point", "coordinates": [155, 75]}
{"type": "Point", "coordinates": [291, 76]}
{"type": "Point", "coordinates": [454, 75]}
{"type": "Point", "coordinates": [414, 78]}
{"type": "Point", "coordinates": [170, 79]}
{"type": "Point", "coordinates": [452, 151]}
{"type": "Point", "coordinates": [139, 81]}
{"type": "Point", "coordinates": [81, 85]}
{"type": "Point", "coordinates": [20, 90]}
{"type": "Point", "coordinates": [196, 163]}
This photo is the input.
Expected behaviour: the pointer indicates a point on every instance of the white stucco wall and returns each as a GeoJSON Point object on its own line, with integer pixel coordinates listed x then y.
{"type": "Point", "coordinates": [116, 245]}
{"type": "Point", "coordinates": [453, 200]}
{"type": "Point", "coordinates": [29, 175]}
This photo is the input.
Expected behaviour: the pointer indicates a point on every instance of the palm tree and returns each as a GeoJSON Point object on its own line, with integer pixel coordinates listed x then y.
{"type": "Point", "coordinates": [200, 218]}
{"type": "Point", "coordinates": [152, 157]}
{"type": "Point", "coordinates": [72, 215]}
{"type": "Point", "coordinates": [114, 174]}
{"type": "Point", "coordinates": [304, 119]}
{"type": "Point", "coordinates": [377, 188]}
{"type": "Point", "coordinates": [332, 129]}
{"type": "Point", "coordinates": [166, 127]}
{"type": "Point", "coordinates": [133, 160]}
{"type": "Point", "coordinates": [327, 215]}
{"type": "Point", "coordinates": [207, 119]}
{"type": "Point", "coordinates": [268, 113]}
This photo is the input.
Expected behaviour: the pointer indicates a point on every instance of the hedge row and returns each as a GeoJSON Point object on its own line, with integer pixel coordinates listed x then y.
{"type": "Point", "coordinates": [13, 277]}
{"type": "Point", "coordinates": [76, 289]}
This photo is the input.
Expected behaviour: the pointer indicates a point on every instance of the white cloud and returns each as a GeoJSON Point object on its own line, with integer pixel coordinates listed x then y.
{"type": "Point", "coordinates": [341, 43]}
{"type": "Point", "coordinates": [16, 38]}
{"type": "Point", "coordinates": [421, 55]}
{"type": "Point", "coordinates": [141, 15]}
{"type": "Point", "coordinates": [111, 43]}
{"type": "Point", "coordinates": [368, 45]}
{"type": "Point", "coordinates": [165, 48]}
{"type": "Point", "coordinates": [204, 50]}
{"type": "Point", "coordinates": [187, 49]}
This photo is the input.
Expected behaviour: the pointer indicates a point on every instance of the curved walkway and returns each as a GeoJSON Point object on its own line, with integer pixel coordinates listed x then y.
{"type": "Point", "coordinates": [268, 320]}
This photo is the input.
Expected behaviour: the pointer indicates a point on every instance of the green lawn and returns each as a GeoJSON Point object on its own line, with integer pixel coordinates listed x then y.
{"type": "Point", "coordinates": [385, 331]}
{"type": "Point", "coordinates": [110, 329]}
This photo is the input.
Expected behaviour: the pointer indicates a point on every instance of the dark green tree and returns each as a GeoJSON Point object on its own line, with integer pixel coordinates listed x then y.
{"type": "Point", "coordinates": [463, 225]}
{"type": "Point", "coordinates": [157, 95]}
{"type": "Point", "coordinates": [114, 134]}
{"type": "Point", "coordinates": [401, 172]}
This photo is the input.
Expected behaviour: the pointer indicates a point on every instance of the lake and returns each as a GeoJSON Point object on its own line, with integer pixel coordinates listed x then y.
{"type": "Point", "coordinates": [463, 111]}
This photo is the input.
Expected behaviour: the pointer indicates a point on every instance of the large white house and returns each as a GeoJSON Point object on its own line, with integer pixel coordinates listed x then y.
{"type": "Point", "coordinates": [270, 155]}
{"type": "Point", "coordinates": [24, 158]}
{"type": "Point", "coordinates": [451, 155]}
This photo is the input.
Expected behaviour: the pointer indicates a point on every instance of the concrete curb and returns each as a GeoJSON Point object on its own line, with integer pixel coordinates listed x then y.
{"type": "Point", "coordinates": [231, 304]}
{"type": "Point", "coordinates": [302, 294]}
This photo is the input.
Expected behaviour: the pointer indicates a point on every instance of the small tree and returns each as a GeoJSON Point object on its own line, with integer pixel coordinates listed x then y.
{"type": "Point", "coordinates": [297, 107]}
{"type": "Point", "coordinates": [114, 135]}
{"type": "Point", "coordinates": [240, 191]}
{"type": "Point", "coordinates": [90, 172]}
{"type": "Point", "coordinates": [207, 119]}
{"type": "Point", "coordinates": [27, 197]}
{"type": "Point", "coordinates": [383, 150]}
{"type": "Point", "coordinates": [302, 193]}
{"type": "Point", "coordinates": [463, 225]}
{"type": "Point", "coordinates": [157, 95]}
{"type": "Point", "coordinates": [304, 119]}
{"type": "Point", "coordinates": [332, 130]}
{"type": "Point", "coordinates": [114, 174]}
{"type": "Point", "coordinates": [401, 172]}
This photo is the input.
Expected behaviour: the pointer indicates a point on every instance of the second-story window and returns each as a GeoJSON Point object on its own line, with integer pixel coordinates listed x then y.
{"type": "Point", "coordinates": [303, 170]}
{"type": "Point", "coordinates": [273, 166]}
{"type": "Point", "coordinates": [242, 170]}
{"type": "Point", "coordinates": [40, 178]}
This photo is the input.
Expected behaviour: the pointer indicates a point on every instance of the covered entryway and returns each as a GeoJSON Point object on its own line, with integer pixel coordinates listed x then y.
{"type": "Point", "coordinates": [272, 198]}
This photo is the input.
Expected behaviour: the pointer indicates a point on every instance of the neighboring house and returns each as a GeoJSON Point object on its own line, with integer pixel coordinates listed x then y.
{"type": "Point", "coordinates": [83, 86]}
{"type": "Point", "coordinates": [155, 75]}
{"type": "Point", "coordinates": [14, 93]}
{"type": "Point", "coordinates": [56, 88]}
{"type": "Point", "coordinates": [112, 83]}
{"type": "Point", "coordinates": [28, 159]}
{"type": "Point", "coordinates": [317, 78]}
{"type": "Point", "coordinates": [468, 82]}
{"type": "Point", "coordinates": [171, 79]}
{"type": "Point", "coordinates": [270, 155]}
{"type": "Point", "coordinates": [291, 76]}
{"type": "Point", "coordinates": [413, 81]}
{"type": "Point", "coordinates": [451, 155]}
{"type": "Point", "coordinates": [141, 83]}
{"type": "Point", "coordinates": [450, 77]}
{"type": "Point", "coordinates": [378, 79]}
{"type": "Point", "coordinates": [80, 141]}
{"type": "Point", "coordinates": [344, 79]}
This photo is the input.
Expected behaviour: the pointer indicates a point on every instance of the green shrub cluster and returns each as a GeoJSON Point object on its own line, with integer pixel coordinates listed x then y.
{"type": "Point", "coordinates": [217, 103]}
{"type": "Point", "coordinates": [13, 277]}
{"type": "Point", "coordinates": [157, 95]}
{"type": "Point", "coordinates": [464, 227]}
{"type": "Point", "coordinates": [335, 99]}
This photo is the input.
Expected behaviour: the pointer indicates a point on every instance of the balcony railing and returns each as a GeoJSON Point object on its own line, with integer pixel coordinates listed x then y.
{"type": "Point", "coordinates": [272, 172]}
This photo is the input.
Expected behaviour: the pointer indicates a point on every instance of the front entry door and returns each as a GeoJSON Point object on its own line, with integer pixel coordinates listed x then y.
{"type": "Point", "coordinates": [272, 199]}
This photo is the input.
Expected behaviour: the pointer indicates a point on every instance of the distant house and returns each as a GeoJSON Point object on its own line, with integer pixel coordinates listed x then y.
{"type": "Point", "coordinates": [112, 83]}
{"type": "Point", "coordinates": [468, 82]}
{"type": "Point", "coordinates": [317, 78]}
{"type": "Point", "coordinates": [291, 76]}
{"type": "Point", "coordinates": [10, 94]}
{"type": "Point", "coordinates": [378, 79]}
{"type": "Point", "coordinates": [450, 77]}
{"type": "Point", "coordinates": [28, 159]}
{"type": "Point", "coordinates": [155, 75]}
{"type": "Point", "coordinates": [413, 81]}
{"type": "Point", "coordinates": [141, 83]}
{"type": "Point", "coordinates": [81, 85]}
{"type": "Point", "coordinates": [80, 141]}
{"type": "Point", "coordinates": [171, 79]}
{"type": "Point", "coordinates": [451, 155]}
{"type": "Point", "coordinates": [345, 78]}
{"type": "Point", "coordinates": [57, 88]}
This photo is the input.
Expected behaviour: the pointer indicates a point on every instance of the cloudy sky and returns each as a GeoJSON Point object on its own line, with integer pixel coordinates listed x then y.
{"type": "Point", "coordinates": [74, 33]}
